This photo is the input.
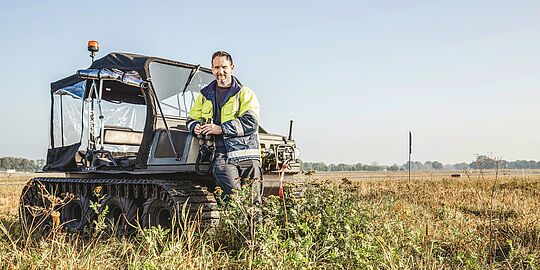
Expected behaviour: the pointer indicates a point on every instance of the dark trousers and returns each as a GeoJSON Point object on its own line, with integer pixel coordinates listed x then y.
{"type": "Point", "coordinates": [231, 176]}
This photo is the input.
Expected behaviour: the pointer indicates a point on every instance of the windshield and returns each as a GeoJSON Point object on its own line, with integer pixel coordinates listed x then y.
{"type": "Point", "coordinates": [169, 82]}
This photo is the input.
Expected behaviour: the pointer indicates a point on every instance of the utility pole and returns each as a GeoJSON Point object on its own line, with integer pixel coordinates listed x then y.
{"type": "Point", "coordinates": [410, 152]}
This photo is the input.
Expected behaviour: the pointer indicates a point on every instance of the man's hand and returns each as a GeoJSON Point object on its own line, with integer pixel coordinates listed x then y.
{"type": "Point", "coordinates": [198, 129]}
{"type": "Point", "coordinates": [211, 129]}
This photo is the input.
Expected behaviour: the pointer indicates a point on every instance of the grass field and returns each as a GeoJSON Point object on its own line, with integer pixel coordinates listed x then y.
{"type": "Point", "coordinates": [343, 221]}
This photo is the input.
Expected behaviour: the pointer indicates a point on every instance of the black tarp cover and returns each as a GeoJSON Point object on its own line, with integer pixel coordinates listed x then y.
{"type": "Point", "coordinates": [61, 159]}
{"type": "Point", "coordinates": [122, 61]}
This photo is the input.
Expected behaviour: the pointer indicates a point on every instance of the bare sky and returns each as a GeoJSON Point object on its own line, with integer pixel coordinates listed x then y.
{"type": "Point", "coordinates": [355, 76]}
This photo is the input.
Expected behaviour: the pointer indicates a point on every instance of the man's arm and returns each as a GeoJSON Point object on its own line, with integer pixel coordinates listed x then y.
{"type": "Point", "coordinates": [195, 116]}
{"type": "Point", "coordinates": [248, 121]}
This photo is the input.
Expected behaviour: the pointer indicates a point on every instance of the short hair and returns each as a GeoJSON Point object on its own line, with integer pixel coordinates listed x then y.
{"type": "Point", "coordinates": [222, 53]}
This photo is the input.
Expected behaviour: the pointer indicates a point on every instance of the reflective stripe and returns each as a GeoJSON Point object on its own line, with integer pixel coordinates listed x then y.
{"type": "Point", "coordinates": [237, 105]}
{"type": "Point", "coordinates": [191, 124]}
{"type": "Point", "coordinates": [242, 153]}
{"type": "Point", "coordinates": [238, 127]}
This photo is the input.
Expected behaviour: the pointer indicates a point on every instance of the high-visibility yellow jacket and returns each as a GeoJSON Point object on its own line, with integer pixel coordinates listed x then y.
{"type": "Point", "coordinates": [239, 119]}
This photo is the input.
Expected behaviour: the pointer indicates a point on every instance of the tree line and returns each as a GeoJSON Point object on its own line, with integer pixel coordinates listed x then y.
{"type": "Point", "coordinates": [485, 162]}
{"type": "Point", "coordinates": [481, 162]}
{"type": "Point", "coordinates": [21, 164]}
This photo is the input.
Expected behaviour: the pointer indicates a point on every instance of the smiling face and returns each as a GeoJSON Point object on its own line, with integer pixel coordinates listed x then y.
{"type": "Point", "coordinates": [222, 69]}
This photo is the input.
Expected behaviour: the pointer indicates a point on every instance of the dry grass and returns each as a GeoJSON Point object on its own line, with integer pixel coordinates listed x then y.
{"type": "Point", "coordinates": [478, 221]}
{"type": "Point", "coordinates": [11, 185]}
{"type": "Point", "coordinates": [482, 218]}
{"type": "Point", "coordinates": [9, 199]}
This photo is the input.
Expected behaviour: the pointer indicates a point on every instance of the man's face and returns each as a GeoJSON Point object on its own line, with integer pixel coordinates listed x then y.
{"type": "Point", "coordinates": [222, 69]}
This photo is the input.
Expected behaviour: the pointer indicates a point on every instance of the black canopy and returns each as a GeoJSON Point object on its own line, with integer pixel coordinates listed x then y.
{"type": "Point", "coordinates": [122, 61]}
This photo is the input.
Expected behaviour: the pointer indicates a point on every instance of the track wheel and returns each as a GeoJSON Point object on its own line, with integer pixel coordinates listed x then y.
{"type": "Point", "coordinates": [77, 214]}
{"type": "Point", "coordinates": [157, 212]}
{"type": "Point", "coordinates": [122, 214]}
{"type": "Point", "coordinates": [32, 210]}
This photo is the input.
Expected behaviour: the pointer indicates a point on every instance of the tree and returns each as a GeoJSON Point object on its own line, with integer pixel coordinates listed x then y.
{"type": "Point", "coordinates": [461, 166]}
{"type": "Point", "coordinates": [19, 164]}
{"type": "Point", "coordinates": [437, 165]}
{"type": "Point", "coordinates": [40, 163]}
{"type": "Point", "coordinates": [357, 167]}
{"type": "Point", "coordinates": [394, 168]}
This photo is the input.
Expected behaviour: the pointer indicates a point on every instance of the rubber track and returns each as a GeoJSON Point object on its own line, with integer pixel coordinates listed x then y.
{"type": "Point", "coordinates": [174, 192]}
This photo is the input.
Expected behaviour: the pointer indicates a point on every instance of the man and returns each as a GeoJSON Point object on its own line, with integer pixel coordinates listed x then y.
{"type": "Point", "coordinates": [234, 110]}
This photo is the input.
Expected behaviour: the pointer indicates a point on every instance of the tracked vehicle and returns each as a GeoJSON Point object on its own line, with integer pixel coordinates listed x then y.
{"type": "Point", "coordinates": [118, 131]}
